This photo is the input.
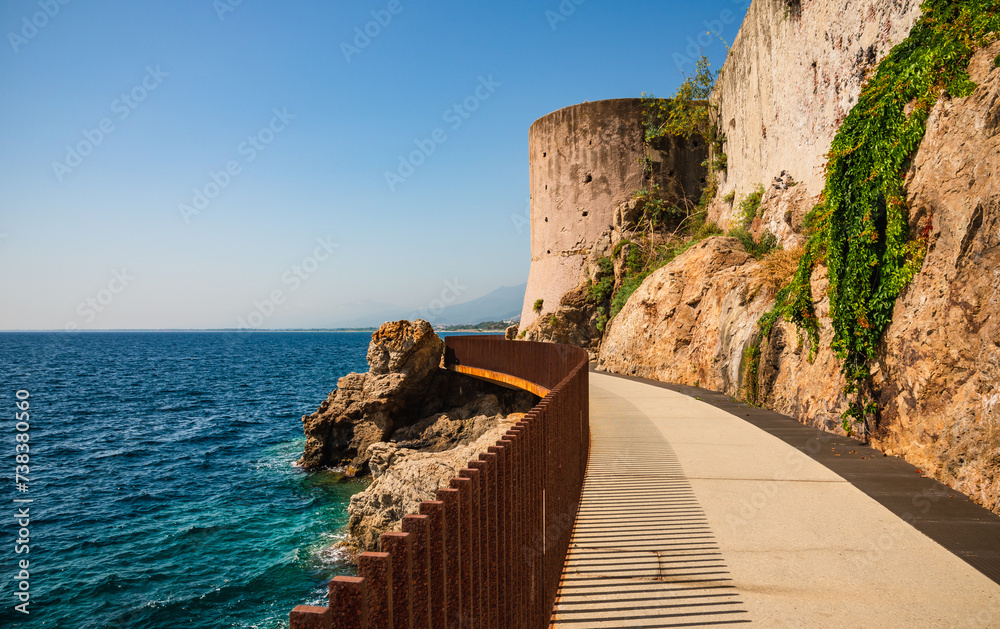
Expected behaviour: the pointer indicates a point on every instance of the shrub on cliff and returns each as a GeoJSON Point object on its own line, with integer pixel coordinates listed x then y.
{"type": "Point", "coordinates": [687, 112]}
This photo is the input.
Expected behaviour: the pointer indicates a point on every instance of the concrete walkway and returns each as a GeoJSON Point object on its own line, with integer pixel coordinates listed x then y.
{"type": "Point", "coordinates": [692, 517]}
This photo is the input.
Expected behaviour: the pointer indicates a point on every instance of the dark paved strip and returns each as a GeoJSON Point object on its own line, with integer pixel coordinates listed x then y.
{"type": "Point", "coordinates": [948, 517]}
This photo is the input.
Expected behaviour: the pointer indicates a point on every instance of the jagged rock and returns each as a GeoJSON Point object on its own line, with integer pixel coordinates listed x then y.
{"type": "Point", "coordinates": [510, 333]}
{"type": "Point", "coordinates": [678, 325]}
{"type": "Point", "coordinates": [574, 323]}
{"type": "Point", "coordinates": [782, 211]}
{"type": "Point", "coordinates": [404, 385]}
{"type": "Point", "coordinates": [404, 477]}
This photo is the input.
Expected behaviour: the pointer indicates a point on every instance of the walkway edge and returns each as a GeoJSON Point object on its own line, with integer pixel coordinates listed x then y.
{"type": "Point", "coordinates": [950, 518]}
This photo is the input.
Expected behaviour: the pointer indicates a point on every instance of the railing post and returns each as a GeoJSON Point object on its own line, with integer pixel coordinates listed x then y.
{"type": "Point", "coordinates": [309, 617]}
{"type": "Point", "coordinates": [417, 527]}
{"type": "Point", "coordinates": [376, 570]}
{"type": "Point", "coordinates": [476, 541]}
{"type": "Point", "coordinates": [464, 487]}
{"type": "Point", "coordinates": [453, 554]}
{"type": "Point", "coordinates": [349, 602]}
{"type": "Point", "coordinates": [399, 547]}
{"type": "Point", "coordinates": [440, 580]}
{"type": "Point", "coordinates": [488, 528]}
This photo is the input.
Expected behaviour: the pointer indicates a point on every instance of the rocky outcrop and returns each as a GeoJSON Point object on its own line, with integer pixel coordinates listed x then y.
{"type": "Point", "coordinates": [688, 322]}
{"type": "Point", "coordinates": [420, 460]}
{"type": "Point", "coordinates": [574, 322]}
{"type": "Point", "coordinates": [404, 385]}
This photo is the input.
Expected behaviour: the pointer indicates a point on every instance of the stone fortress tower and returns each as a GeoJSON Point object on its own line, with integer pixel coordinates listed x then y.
{"type": "Point", "coordinates": [584, 161]}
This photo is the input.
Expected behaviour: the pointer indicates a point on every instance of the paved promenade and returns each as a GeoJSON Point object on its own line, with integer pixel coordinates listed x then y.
{"type": "Point", "coordinates": [694, 516]}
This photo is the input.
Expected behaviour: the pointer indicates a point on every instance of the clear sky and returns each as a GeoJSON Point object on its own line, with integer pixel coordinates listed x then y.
{"type": "Point", "coordinates": [168, 164]}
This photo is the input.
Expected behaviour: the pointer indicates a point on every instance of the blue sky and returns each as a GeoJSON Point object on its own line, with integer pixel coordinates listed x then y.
{"type": "Point", "coordinates": [178, 164]}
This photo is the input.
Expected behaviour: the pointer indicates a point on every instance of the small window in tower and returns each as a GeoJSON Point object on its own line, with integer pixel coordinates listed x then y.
{"type": "Point", "coordinates": [588, 178]}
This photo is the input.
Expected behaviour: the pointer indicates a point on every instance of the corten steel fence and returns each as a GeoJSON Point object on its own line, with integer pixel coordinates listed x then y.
{"type": "Point", "coordinates": [489, 552]}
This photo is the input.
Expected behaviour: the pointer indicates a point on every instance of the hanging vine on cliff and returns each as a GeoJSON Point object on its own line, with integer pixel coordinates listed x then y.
{"type": "Point", "coordinates": [861, 225]}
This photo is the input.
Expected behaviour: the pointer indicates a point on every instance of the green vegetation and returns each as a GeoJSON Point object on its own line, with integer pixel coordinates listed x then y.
{"type": "Point", "coordinates": [665, 230]}
{"type": "Point", "coordinates": [861, 226]}
{"type": "Point", "coordinates": [538, 305]}
{"type": "Point", "coordinates": [749, 207]}
{"type": "Point", "coordinates": [751, 369]}
{"type": "Point", "coordinates": [657, 213]}
{"type": "Point", "coordinates": [686, 114]}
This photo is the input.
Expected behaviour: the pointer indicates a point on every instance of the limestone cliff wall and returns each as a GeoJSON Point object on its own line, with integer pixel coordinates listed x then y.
{"type": "Point", "coordinates": [794, 72]}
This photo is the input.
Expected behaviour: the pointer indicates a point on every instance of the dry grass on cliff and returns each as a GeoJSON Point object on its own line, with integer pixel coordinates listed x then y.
{"type": "Point", "coordinates": [775, 271]}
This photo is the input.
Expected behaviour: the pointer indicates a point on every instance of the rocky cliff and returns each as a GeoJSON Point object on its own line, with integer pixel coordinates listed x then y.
{"type": "Point", "coordinates": [404, 386]}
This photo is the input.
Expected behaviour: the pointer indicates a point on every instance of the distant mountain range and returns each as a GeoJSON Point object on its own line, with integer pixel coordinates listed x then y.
{"type": "Point", "coordinates": [500, 305]}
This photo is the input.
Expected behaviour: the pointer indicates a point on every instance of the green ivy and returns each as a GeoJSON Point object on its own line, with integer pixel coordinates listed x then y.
{"type": "Point", "coordinates": [687, 113]}
{"type": "Point", "coordinates": [861, 226]}
{"type": "Point", "coordinates": [600, 290]}
{"type": "Point", "coordinates": [748, 209]}
{"type": "Point", "coordinates": [750, 205]}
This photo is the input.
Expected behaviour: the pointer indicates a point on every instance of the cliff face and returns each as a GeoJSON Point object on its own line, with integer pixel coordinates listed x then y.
{"type": "Point", "coordinates": [694, 320]}
{"type": "Point", "coordinates": [941, 364]}
{"type": "Point", "coordinates": [794, 72]}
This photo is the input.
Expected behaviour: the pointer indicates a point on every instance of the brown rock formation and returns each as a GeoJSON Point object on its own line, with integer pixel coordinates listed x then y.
{"type": "Point", "coordinates": [405, 476]}
{"type": "Point", "coordinates": [689, 320]}
{"type": "Point", "coordinates": [404, 385]}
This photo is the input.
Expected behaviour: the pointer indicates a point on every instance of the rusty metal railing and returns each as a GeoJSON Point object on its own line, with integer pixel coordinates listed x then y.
{"type": "Point", "coordinates": [489, 552]}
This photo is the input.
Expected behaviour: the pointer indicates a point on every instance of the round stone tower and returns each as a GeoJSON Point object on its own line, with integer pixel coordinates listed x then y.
{"type": "Point", "coordinates": [584, 161]}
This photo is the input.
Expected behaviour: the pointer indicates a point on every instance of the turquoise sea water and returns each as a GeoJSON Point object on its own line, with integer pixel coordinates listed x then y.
{"type": "Point", "coordinates": [161, 477]}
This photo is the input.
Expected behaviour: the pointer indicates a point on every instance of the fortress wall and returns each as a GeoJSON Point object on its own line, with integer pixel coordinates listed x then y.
{"type": "Point", "coordinates": [584, 161]}
{"type": "Point", "coordinates": [794, 72]}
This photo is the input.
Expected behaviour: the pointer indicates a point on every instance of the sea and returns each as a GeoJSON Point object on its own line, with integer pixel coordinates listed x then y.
{"type": "Point", "coordinates": [158, 481]}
